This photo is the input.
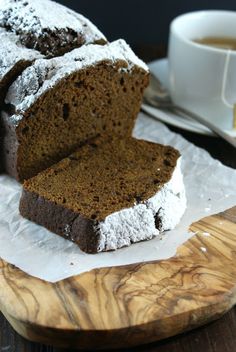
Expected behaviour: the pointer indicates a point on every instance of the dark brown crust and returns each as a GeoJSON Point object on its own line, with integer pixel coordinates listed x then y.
{"type": "Point", "coordinates": [11, 76]}
{"type": "Point", "coordinates": [5, 83]}
{"type": "Point", "coordinates": [7, 130]}
{"type": "Point", "coordinates": [8, 138]}
{"type": "Point", "coordinates": [9, 146]}
{"type": "Point", "coordinates": [50, 43]}
{"type": "Point", "coordinates": [60, 220]}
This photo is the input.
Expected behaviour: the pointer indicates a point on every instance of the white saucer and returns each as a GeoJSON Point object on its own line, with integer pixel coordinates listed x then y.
{"type": "Point", "coordinates": [160, 68]}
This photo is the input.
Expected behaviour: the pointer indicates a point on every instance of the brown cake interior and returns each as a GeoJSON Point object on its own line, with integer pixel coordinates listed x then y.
{"type": "Point", "coordinates": [96, 101]}
{"type": "Point", "coordinates": [104, 177]}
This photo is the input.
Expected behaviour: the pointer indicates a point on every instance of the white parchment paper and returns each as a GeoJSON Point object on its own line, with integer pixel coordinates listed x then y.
{"type": "Point", "coordinates": [210, 187]}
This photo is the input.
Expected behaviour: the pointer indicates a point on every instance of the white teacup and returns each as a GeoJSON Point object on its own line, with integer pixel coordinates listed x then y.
{"type": "Point", "coordinates": [203, 78]}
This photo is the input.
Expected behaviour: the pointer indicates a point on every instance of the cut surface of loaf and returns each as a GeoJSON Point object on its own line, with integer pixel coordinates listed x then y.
{"type": "Point", "coordinates": [109, 194]}
{"type": "Point", "coordinates": [58, 104]}
{"type": "Point", "coordinates": [48, 27]}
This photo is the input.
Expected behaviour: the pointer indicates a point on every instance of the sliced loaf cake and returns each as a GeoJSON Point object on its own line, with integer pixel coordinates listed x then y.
{"type": "Point", "coordinates": [57, 104]}
{"type": "Point", "coordinates": [109, 194]}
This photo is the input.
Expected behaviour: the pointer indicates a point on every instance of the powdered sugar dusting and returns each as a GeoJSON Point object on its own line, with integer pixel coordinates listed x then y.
{"type": "Point", "coordinates": [34, 19]}
{"type": "Point", "coordinates": [45, 74]}
{"type": "Point", "coordinates": [35, 16]}
{"type": "Point", "coordinates": [136, 224]}
{"type": "Point", "coordinates": [12, 52]}
{"type": "Point", "coordinates": [91, 32]}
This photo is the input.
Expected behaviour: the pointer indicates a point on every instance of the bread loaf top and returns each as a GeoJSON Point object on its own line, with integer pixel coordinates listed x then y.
{"type": "Point", "coordinates": [48, 27]}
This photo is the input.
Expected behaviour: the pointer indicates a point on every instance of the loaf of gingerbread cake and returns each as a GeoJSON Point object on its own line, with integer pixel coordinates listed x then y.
{"type": "Point", "coordinates": [57, 104]}
{"type": "Point", "coordinates": [109, 194]}
{"type": "Point", "coordinates": [69, 101]}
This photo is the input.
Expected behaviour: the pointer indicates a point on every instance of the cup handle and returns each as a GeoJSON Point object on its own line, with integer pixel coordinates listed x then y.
{"type": "Point", "coordinates": [224, 79]}
{"type": "Point", "coordinates": [223, 88]}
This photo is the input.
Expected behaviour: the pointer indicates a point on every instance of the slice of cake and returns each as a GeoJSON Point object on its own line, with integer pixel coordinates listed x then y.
{"type": "Point", "coordinates": [48, 27]}
{"type": "Point", "coordinates": [57, 104]}
{"type": "Point", "coordinates": [109, 194]}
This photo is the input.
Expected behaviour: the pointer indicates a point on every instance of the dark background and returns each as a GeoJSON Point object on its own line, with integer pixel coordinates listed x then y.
{"type": "Point", "coordinates": [140, 21]}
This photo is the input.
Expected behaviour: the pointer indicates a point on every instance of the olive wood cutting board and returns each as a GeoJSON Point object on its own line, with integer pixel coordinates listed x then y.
{"type": "Point", "coordinates": [130, 305]}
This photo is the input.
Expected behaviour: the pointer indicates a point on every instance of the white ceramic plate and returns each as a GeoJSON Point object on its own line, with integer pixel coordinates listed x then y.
{"type": "Point", "coordinates": [160, 68]}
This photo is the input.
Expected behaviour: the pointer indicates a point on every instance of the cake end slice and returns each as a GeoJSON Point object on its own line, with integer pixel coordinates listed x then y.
{"type": "Point", "coordinates": [109, 194]}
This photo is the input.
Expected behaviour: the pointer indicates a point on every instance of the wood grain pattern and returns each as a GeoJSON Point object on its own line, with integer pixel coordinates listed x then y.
{"type": "Point", "coordinates": [131, 305]}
